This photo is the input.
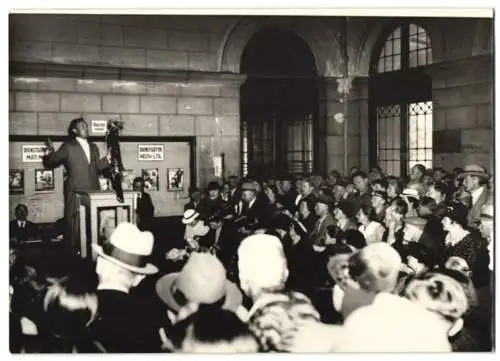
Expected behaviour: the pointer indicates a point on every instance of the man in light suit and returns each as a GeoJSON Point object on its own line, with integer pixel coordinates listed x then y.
{"type": "Point", "coordinates": [82, 164]}
{"type": "Point", "coordinates": [475, 182]}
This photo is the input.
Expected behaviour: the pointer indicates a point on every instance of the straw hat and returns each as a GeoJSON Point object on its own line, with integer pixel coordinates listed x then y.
{"type": "Point", "coordinates": [129, 248]}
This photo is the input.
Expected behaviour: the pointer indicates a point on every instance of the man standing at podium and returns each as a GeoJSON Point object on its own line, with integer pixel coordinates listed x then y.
{"type": "Point", "coordinates": [81, 161]}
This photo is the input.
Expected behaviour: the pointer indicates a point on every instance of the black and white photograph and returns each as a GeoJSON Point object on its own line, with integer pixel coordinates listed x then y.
{"type": "Point", "coordinates": [128, 180]}
{"type": "Point", "coordinates": [293, 180]}
{"type": "Point", "coordinates": [150, 177]}
{"type": "Point", "coordinates": [175, 179]}
{"type": "Point", "coordinates": [16, 181]}
{"type": "Point", "coordinates": [44, 180]}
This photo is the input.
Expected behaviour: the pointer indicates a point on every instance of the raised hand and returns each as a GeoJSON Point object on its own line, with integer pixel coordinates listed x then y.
{"type": "Point", "coordinates": [49, 147]}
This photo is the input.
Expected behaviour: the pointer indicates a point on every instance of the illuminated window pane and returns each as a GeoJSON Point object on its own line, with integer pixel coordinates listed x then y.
{"type": "Point", "coordinates": [417, 42]}
{"type": "Point", "coordinates": [397, 46]}
{"type": "Point", "coordinates": [420, 133]}
{"type": "Point", "coordinates": [413, 29]}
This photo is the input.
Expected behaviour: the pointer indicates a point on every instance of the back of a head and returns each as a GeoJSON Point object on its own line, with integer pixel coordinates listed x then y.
{"type": "Point", "coordinates": [213, 330]}
{"type": "Point", "coordinates": [392, 324]}
{"type": "Point", "coordinates": [262, 262]}
{"type": "Point", "coordinates": [276, 315]}
{"type": "Point", "coordinates": [70, 305]}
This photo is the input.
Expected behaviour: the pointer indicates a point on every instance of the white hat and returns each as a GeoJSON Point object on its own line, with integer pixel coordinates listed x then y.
{"type": "Point", "coordinates": [410, 192]}
{"type": "Point", "coordinates": [129, 248]}
{"type": "Point", "coordinates": [189, 216]}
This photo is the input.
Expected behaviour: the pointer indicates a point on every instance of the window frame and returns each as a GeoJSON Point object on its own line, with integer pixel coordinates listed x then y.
{"type": "Point", "coordinates": [391, 88]}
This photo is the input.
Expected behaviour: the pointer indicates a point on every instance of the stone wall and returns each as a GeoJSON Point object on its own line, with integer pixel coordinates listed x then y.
{"type": "Point", "coordinates": [207, 110]}
{"type": "Point", "coordinates": [463, 112]}
{"type": "Point", "coordinates": [213, 45]}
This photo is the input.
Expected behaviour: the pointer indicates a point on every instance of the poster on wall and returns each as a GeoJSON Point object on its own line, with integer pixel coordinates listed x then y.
{"type": "Point", "coordinates": [175, 179]}
{"type": "Point", "coordinates": [99, 126]}
{"type": "Point", "coordinates": [128, 180]}
{"type": "Point", "coordinates": [150, 152]}
{"type": "Point", "coordinates": [150, 177]}
{"type": "Point", "coordinates": [16, 181]}
{"type": "Point", "coordinates": [33, 153]}
{"type": "Point", "coordinates": [44, 180]}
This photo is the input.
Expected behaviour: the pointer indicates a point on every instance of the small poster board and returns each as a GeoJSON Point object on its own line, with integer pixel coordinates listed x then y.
{"type": "Point", "coordinates": [44, 180]}
{"type": "Point", "coordinates": [150, 177]}
{"type": "Point", "coordinates": [33, 153]}
{"type": "Point", "coordinates": [150, 152]}
{"type": "Point", "coordinates": [99, 126]}
{"type": "Point", "coordinates": [16, 181]}
{"type": "Point", "coordinates": [175, 179]}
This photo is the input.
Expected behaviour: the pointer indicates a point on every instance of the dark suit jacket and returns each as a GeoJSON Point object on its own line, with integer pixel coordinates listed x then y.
{"type": "Point", "coordinates": [145, 211]}
{"type": "Point", "coordinates": [29, 231]}
{"type": "Point", "coordinates": [254, 217]}
{"type": "Point", "coordinates": [81, 175]}
{"type": "Point", "coordinates": [124, 324]}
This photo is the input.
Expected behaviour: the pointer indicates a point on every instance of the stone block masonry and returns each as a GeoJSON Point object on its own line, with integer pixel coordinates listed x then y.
{"type": "Point", "coordinates": [208, 110]}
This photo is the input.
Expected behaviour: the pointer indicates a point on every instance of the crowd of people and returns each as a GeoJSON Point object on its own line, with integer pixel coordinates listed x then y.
{"type": "Point", "coordinates": [354, 263]}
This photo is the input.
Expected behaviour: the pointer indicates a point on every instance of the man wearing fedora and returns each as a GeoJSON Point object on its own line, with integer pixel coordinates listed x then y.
{"type": "Point", "coordinates": [475, 180]}
{"type": "Point", "coordinates": [124, 324]}
{"type": "Point", "coordinates": [202, 281]}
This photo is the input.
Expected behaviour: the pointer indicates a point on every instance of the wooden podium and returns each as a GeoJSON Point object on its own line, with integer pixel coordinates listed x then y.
{"type": "Point", "coordinates": [100, 213]}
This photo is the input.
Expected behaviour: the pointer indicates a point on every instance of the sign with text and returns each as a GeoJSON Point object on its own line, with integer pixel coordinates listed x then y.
{"type": "Point", "coordinates": [99, 126]}
{"type": "Point", "coordinates": [33, 153]}
{"type": "Point", "coordinates": [147, 152]}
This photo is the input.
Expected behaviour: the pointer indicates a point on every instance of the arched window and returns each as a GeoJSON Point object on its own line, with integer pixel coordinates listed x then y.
{"type": "Point", "coordinates": [401, 100]}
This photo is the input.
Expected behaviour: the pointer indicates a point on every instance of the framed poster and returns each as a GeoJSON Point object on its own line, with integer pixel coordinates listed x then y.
{"type": "Point", "coordinates": [150, 177]}
{"type": "Point", "coordinates": [175, 179]}
{"type": "Point", "coordinates": [128, 180]}
{"type": "Point", "coordinates": [44, 180]}
{"type": "Point", "coordinates": [107, 220]}
{"type": "Point", "coordinates": [16, 181]}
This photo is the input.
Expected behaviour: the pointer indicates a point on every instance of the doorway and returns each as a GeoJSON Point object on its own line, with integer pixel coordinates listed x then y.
{"type": "Point", "coordinates": [279, 105]}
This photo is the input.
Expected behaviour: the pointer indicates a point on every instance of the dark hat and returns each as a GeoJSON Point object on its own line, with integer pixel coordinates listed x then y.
{"type": "Point", "coordinates": [324, 198]}
{"type": "Point", "coordinates": [354, 238]}
{"type": "Point", "coordinates": [347, 208]}
{"type": "Point", "coordinates": [380, 194]}
{"type": "Point", "coordinates": [213, 186]}
{"type": "Point", "coordinates": [281, 221]}
{"type": "Point", "coordinates": [457, 212]}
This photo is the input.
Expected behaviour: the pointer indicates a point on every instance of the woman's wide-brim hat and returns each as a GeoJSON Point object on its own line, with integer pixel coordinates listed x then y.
{"type": "Point", "coordinates": [201, 280]}
{"type": "Point", "coordinates": [189, 216]}
{"type": "Point", "coordinates": [129, 248]}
